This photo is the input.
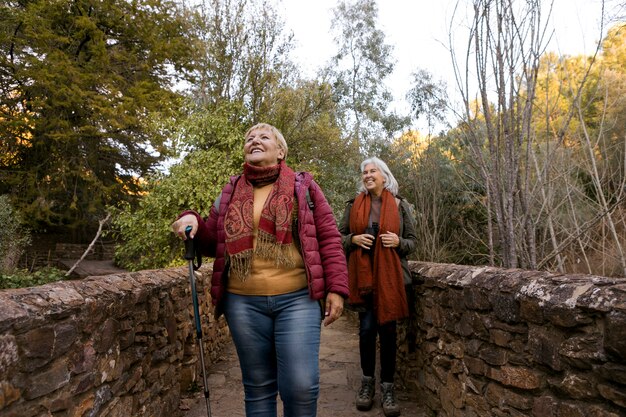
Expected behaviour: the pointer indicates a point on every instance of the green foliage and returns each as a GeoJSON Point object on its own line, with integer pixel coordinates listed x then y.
{"type": "Point", "coordinates": [81, 84]}
{"type": "Point", "coordinates": [193, 183]}
{"type": "Point", "coordinates": [13, 236]}
{"type": "Point", "coordinates": [22, 278]}
{"type": "Point", "coordinates": [229, 97]}
{"type": "Point", "coordinates": [428, 179]}
{"type": "Point", "coordinates": [306, 115]}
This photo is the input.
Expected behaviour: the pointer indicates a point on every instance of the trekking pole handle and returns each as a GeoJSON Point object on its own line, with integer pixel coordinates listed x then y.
{"type": "Point", "coordinates": [189, 246]}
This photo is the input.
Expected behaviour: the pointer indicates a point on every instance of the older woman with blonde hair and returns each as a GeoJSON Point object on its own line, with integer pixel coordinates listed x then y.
{"type": "Point", "coordinates": [279, 271]}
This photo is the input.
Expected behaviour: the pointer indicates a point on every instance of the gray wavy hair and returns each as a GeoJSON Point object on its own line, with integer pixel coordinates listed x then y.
{"type": "Point", "coordinates": [390, 181]}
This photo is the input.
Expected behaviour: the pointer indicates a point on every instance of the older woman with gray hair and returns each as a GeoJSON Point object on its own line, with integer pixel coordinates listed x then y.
{"type": "Point", "coordinates": [378, 234]}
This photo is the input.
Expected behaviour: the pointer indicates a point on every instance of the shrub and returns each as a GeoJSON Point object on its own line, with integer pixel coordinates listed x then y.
{"type": "Point", "coordinates": [21, 278]}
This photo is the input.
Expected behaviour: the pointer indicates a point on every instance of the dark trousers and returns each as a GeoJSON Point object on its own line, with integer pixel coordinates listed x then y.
{"type": "Point", "coordinates": [368, 330]}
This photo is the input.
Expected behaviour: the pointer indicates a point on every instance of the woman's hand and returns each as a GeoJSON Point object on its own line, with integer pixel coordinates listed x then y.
{"type": "Point", "coordinates": [334, 308]}
{"type": "Point", "coordinates": [365, 240]}
{"type": "Point", "coordinates": [179, 226]}
{"type": "Point", "coordinates": [390, 240]}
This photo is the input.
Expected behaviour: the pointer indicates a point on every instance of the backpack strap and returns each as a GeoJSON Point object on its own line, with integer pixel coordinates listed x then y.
{"type": "Point", "coordinates": [218, 200]}
{"type": "Point", "coordinates": [309, 202]}
{"type": "Point", "coordinates": [216, 203]}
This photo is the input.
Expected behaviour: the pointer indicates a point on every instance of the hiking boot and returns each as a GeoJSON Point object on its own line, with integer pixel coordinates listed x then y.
{"type": "Point", "coordinates": [365, 396]}
{"type": "Point", "coordinates": [388, 399]}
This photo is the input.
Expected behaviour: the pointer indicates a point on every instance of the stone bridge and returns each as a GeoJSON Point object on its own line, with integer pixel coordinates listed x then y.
{"type": "Point", "coordinates": [482, 341]}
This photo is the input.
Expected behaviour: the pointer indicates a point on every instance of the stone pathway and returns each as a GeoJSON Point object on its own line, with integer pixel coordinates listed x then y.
{"type": "Point", "coordinates": [340, 379]}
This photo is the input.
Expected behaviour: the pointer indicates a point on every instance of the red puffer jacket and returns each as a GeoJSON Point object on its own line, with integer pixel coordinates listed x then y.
{"type": "Point", "coordinates": [320, 241]}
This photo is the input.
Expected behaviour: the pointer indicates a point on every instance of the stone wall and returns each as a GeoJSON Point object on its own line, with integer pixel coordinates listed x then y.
{"type": "Point", "coordinates": [118, 345]}
{"type": "Point", "coordinates": [483, 342]}
{"type": "Point", "coordinates": [496, 342]}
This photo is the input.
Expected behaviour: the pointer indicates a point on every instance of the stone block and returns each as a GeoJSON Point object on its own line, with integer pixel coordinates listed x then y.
{"type": "Point", "coordinates": [65, 334]}
{"type": "Point", "coordinates": [8, 354]}
{"type": "Point", "coordinates": [473, 346]}
{"type": "Point", "coordinates": [615, 334]}
{"type": "Point", "coordinates": [614, 394]}
{"type": "Point", "coordinates": [476, 405]}
{"type": "Point", "coordinates": [432, 382]}
{"type": "Point", "coordinates": [585, 347]}
{"type": "Point", "coordinates": [570, 409]}
{"type": "Point", "coordinates": [452, 395]}
{"type": "Point", "coordinates": [576, 386]}
{"type": "Point", "coordinates": [475, 385]}
{"type": "Point", "coordinates": [493, 355]}
{"type": "Point", "coordinates": [500, 337]}
{"type": "Point", "coordinates": [476, 298]}
{"type": "Point", "coordinates": [531, 309]}
{"type": "Point", "coordinates": [83, 383]}
{"type": "Point", "coordinates": [54, 377]}
{"type": "Point", "coordinates": [595, 410]}
{"type": "Point", "coordinates": [505, 307]}
{"type": "Point", "coordinates": [565, 317]}
{"type": "Point", "coordinates": [518, 377]}
{"type": "Point", "coordinates": [84, 405]}
{"type": "Point", "coordinates": [544, 406]}
{"type": "Point", "coordinates": [501, 397]}
{"type": "Point", "coordinates": [475, 366]}
{"type": "Point", "coordinates": [544, 345]}
{"type": "Point", "coordinates": [454, 349]}
{"type": "Point", "coordinates": [8, 394]}
{"type": "Point", "coordinates": [107, 336]}
{"type": "Point", "coordinates": [37, 343]}
{"type": "Point", "coordinates": [613, 372]}
{"type": "Point", "coordinates": [153, 309]}
{"type": "Point", "coordinates": [472, 325]}
{"type": "Point", "coordinates": [82, 359]}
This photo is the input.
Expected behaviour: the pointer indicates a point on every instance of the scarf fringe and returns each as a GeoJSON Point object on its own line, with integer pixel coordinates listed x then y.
{"type": "Point", "coordinates": [266, 248]}
{"type": "Point", "coordinates": [240, 264]}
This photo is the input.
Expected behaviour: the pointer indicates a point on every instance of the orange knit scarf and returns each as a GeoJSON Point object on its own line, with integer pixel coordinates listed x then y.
{"type": "Point", "coordinates": [380, 273]}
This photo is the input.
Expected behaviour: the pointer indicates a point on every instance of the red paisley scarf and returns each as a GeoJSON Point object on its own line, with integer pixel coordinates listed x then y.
{"type": "Point", "coordinates": [382, 275]}
{"type": "Point", "coordinates": [274, 232]}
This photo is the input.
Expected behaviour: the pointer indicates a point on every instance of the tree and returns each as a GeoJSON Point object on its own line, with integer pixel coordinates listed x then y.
{"type": "Point", "coordinates": [227, 98]}
{"type": "Point", "coordinates": [83, 84]}
{"type": "Point", "coordinates": [306, 114]}
{"type": "Point", "coordinates": [359, 69]}
{"type": "Point", "coordinates": [428, 98]}
{"type": "Point", "coordinates": [506, 42]}
{"type": "Point", "coordinates": [13, 236]}
{"type": "Point", "coordinates": [427, 178]}
{"type": "Point", "coordinates": [244, 55]}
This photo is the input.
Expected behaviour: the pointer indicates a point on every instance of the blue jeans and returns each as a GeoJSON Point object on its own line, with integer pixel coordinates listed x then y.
{"type": "Point", "coordinates": [277, 340]}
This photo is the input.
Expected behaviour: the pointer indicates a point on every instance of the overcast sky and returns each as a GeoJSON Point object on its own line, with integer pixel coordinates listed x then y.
{"type": "Point", "coordinates": [418, 31]}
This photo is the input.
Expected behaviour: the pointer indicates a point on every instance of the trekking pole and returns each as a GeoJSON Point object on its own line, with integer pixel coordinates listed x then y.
{"type": "Point", "coordinates": [190, 254]}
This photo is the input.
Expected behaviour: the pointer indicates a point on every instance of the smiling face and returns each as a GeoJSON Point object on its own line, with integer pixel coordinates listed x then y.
{"type": "Point", "coordinates": [261, 148]}
{"type": "Point", "coordinates": [373, 179]}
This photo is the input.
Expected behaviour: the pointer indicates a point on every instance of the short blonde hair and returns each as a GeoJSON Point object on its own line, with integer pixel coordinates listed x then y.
{"type": "Point", "coordinates": [280, 139]}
